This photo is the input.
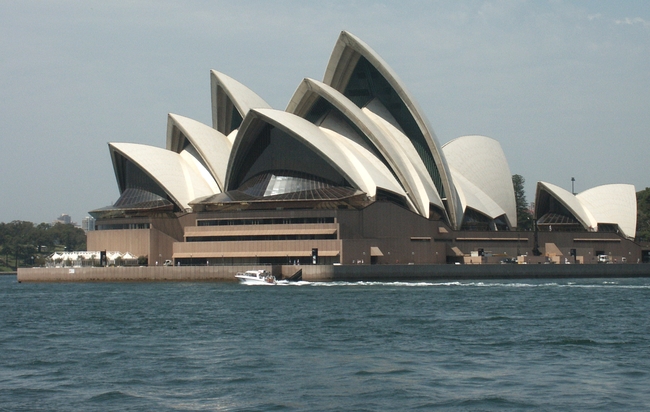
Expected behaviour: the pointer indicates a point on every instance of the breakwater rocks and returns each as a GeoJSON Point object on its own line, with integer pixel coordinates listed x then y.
{"type": "Point", "coordinates": [350, 273]}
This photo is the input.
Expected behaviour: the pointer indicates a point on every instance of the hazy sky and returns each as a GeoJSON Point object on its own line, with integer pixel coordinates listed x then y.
{"type": "Point", "coordinates": [564, 86]}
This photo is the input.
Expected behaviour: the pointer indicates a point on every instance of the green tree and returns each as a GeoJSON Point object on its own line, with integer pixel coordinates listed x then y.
{"type": "Point", "coordinates": [23, 241]}
{"type": "Point", "coordinates": [643, 215]}
{"type": "Point", "coordinates": [524, 217]}
{"type": "Point", "coordinates": [17, 242]}
{"type": "Point", "coordinates": [72, 238]}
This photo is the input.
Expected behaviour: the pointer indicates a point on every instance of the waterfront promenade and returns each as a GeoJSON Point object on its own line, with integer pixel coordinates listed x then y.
{"type": "Point", "coordinates": [329, 273]}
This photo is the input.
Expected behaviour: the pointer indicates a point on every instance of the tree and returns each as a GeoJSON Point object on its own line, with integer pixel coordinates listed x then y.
{"type": "Point", "coordinates": [17, 242]}
{"type": "Point", "coordinates": [643, 215]}
{"type": "Point", "coordinates": [524, 217]}
{"type": "Point", "coordinates": [67, 235]}
{"type": "Point", "coordinates": [24, 241]}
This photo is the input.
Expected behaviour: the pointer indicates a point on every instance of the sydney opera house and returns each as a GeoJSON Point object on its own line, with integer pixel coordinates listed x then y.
{"type": "Point", "coordinates": [350, 172]}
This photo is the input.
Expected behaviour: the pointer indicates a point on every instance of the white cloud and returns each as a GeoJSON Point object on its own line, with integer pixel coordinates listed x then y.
{"type": "Point", "coordinates": [633, 21]}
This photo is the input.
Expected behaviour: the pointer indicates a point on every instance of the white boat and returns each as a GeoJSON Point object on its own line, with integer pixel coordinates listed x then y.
{"type": "Point", "coordinates": [256, 277]}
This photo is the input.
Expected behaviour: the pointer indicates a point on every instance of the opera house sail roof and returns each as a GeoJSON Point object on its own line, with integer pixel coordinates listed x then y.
{"type": "Point", "coordinates": [358, 132]}
{"type": "Point", "coordinates": [602, 208]}
{"type": "Point", "coordinates": [480, 171]}
{"type": "Point", "coordinates": [356, 137]}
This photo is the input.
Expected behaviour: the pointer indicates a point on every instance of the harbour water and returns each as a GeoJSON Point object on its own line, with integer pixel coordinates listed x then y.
{"type": "Point", "coordinates": [544, 345]}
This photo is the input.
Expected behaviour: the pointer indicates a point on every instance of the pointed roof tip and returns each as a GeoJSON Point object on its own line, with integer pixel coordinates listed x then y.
{"type": "Point", "coordinates": [240, 94]}
{"type": "Point", "coordinates": [351, 40]}
{"type": "Point", "coordinates": [221, 76]}
{"type": "Point", "coordinates": [348, 35]}
{"type": "Point", "coordinates": [174, 116]}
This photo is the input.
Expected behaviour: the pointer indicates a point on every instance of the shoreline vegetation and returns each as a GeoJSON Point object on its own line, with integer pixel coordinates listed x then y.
{"type": "Point", "coordinates": [25, 244]}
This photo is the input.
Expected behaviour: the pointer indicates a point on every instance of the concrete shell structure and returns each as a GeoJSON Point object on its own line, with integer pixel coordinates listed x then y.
{"type": "Point", "coordinates": [231, 101]}
{"type": "Point", "coordinates": [482, 176]}
{"type": "Point", "coordinates": [358, 129]}
{"type": "Point", "coordinates": [350, 169]}
{"type": "Point", "coordinates": [612, 204]}
{"type": "Point", "coordinates": [151, 171]}
{"type": "Point", "coordinates": [604, 208]}
{"type": "Point", "coordinates": [327, 107]}
{"type": "Point", "coordinates": [202, 142]}
{"type": "Point", "coordinates": [299, 147]}
{"type": "Point", "coordinates": [362, 76]}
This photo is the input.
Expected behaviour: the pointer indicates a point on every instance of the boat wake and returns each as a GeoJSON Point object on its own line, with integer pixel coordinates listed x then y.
{"type": "Point", "coordinates": [604, 284]}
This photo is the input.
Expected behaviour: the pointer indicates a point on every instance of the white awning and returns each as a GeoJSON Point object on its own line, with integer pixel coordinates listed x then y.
{"type": "Point", "coordinates": [374, 251]}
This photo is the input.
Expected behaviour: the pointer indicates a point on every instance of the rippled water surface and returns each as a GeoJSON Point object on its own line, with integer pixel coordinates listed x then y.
{"type": "Point", "coordinates": [480, 346]}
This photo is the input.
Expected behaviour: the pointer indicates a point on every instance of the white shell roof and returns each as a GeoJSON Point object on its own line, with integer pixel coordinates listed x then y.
{"type": "Point", "coordinates": [344, 57]}
{"type": "Point", "coordinates": [368, 148]}
{"type": "Point", "coordinates": [471, 196]}
{"type": "Point", "coordinates": [390, 149]}
{"type": "Point", "coordinates": [374, 172]}
{"type": "Point", "coordinates": [213, 147]}
{"type": "Point", "coordinates": [481, 161]}
{"type": "Point", "coordinates": [614, 204]}
{"type": "Point", "coordinates": [424, 189]}
{"type": "Point", "coordinates": [181, 180]}
{"type": "Point", "coordinates": [347, 159]}
{"type": "Point", "coordinates": [607, 204]}
{"type": "Point", "coordinates": [570, 201]}
{"type": "Point", "coordinates": [241, 96]}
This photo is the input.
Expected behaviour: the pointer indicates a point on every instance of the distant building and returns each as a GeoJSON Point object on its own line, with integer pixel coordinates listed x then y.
{"type": "Point", "coordinates": [65, 219]}
{"type": "Point", "coordinates": [88, 223]}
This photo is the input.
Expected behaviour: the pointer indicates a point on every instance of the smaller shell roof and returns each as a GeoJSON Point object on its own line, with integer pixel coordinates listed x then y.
{"type": "Point", "coordinates": [178, 178]}
{"type": "Point", "coordinates": [481, 161]}
{"type": "Point", "coordinates": [607, 204]}
{"type": "Point", "coordinates": [614, 203]}
{"type": "Point", "coordinates": [242, 98]}
{"type": "Point", "coordinates": [213, 147]}
{"type": "Point", "coordinates": [330, 150]}
{"type": "Point", "coordinates": [570, 201]}
{"type": "Point", "coordinates": [473, 197]}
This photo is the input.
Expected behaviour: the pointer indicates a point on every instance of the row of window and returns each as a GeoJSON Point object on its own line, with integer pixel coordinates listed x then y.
{"type": "Point", "coordinates": [118, 226]}
{"type": "Point", "coordinates": [264, 221]}
{"type": "Point", "coordinates": [258, 238]}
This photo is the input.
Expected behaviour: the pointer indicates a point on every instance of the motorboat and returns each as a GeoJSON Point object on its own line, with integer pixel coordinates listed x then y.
{"type": "Point", "coordinates": [256, 277]}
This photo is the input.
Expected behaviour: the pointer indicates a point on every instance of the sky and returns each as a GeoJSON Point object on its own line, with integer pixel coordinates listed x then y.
{"type": "Point", "coordinates": [563, 86]}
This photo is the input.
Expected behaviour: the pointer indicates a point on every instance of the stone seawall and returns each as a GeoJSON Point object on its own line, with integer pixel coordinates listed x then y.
{"type": "Point", "coordinates": [133, 274]}
{"type": "Point", "coordinates": [349, 273]}
{"type": "Point", "coordinates": [470, 272]}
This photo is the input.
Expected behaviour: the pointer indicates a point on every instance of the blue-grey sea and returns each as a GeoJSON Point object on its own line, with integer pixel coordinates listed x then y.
{"type": "Point", "coordinates": [539, 345]}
